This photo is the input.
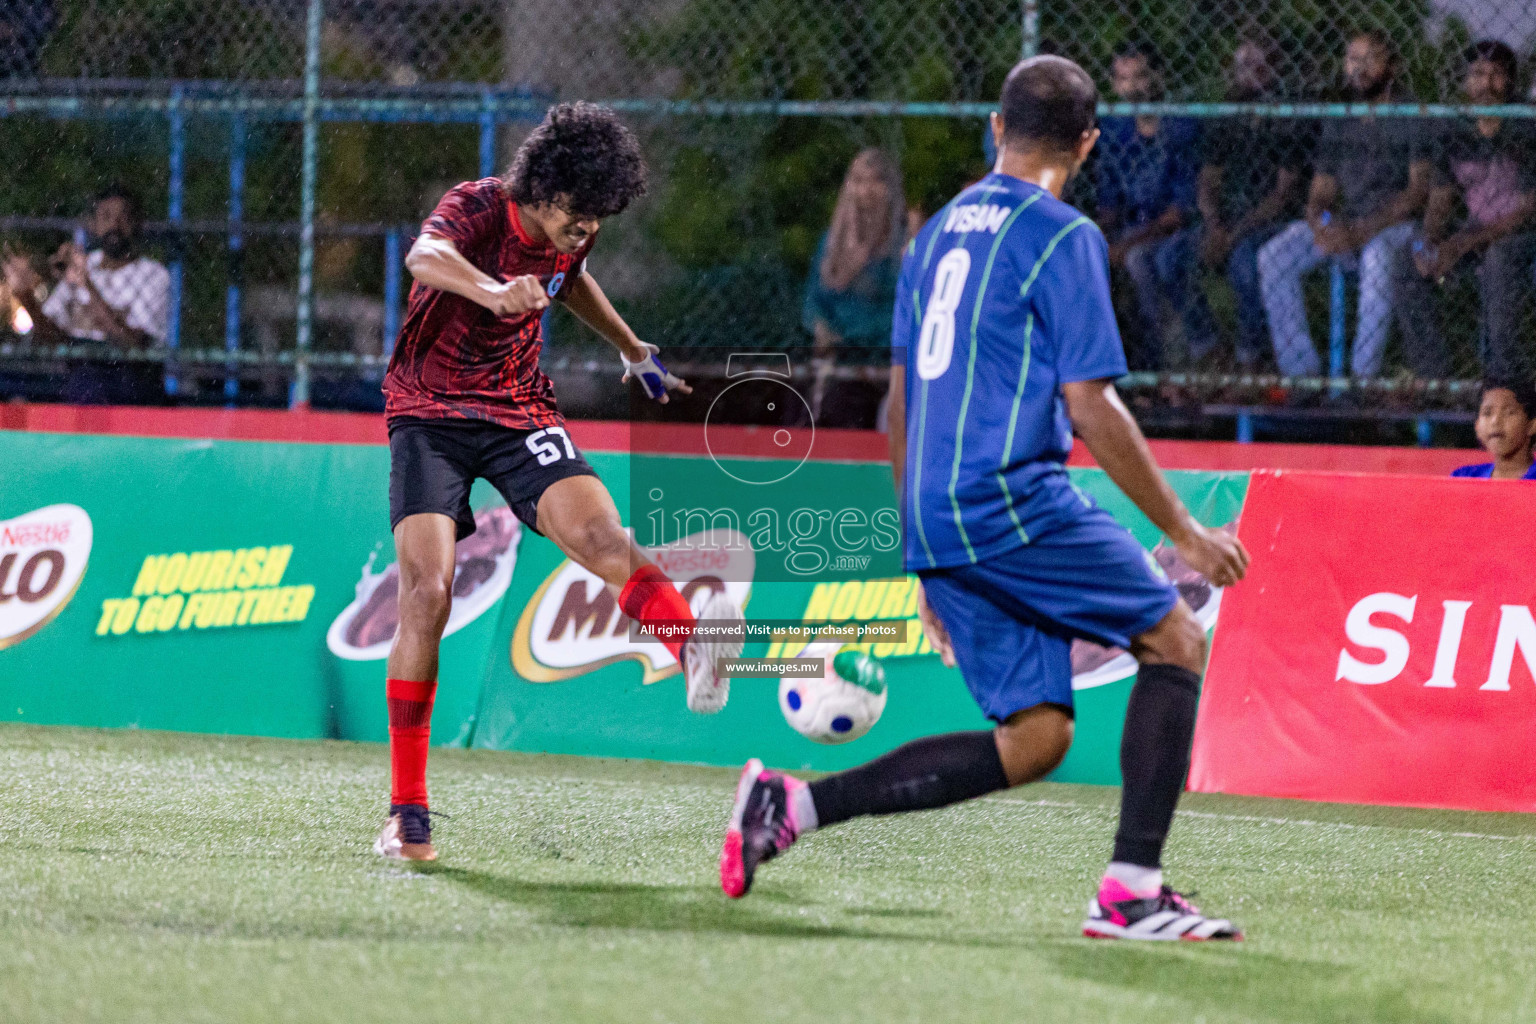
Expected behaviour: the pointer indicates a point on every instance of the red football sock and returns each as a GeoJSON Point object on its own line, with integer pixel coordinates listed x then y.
{"type": "Point", "coordinates": [649, 597]}
{"type": "Point", "coordinates": [410, 729]}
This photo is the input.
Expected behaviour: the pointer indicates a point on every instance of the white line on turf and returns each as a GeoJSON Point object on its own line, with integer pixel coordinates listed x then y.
{"type": "Point", "coordinates": [1061, 805]}
{"type": "Point", "coordinates": [1349, 824]}
{"type": "Point", "coordinates": [1065, 806]}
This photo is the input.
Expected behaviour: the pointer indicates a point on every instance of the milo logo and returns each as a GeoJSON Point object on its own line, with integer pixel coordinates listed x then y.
{"type": "Point", "coordinates": [573, 625]}
{"type": "Point", "coordinates": [42, 560]}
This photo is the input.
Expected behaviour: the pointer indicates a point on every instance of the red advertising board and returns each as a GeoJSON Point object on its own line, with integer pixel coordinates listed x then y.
{"type": "Point", "coordinates": [1382, 648]}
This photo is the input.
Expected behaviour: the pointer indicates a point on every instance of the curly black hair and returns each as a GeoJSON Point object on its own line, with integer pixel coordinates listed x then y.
{"type": "Point", "coordinates": [582, 159]}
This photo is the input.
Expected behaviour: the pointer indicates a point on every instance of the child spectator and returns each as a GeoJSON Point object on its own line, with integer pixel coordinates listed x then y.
{"type": "Point", "coordinates": [1506, 424]}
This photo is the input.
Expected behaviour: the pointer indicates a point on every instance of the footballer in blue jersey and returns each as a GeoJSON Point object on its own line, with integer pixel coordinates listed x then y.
{"type": "Point", "coordinates": [1003, 298]}
{"type": "Point", "coordinates": [1004, 346]}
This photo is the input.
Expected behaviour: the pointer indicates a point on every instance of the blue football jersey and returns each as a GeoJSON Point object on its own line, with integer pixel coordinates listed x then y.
{"type": "Point", "coordinates": [1003, 297]}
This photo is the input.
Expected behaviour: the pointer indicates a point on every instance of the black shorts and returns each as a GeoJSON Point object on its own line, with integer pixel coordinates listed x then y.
{"type": "Point", "coordinates": [433, 464]}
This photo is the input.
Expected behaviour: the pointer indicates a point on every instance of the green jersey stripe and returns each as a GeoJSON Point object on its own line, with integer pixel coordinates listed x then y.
{"type": "Point", "coordinates": [1018, 394]}
{"type": "Point", "coordinates": [970, 370]}
{"type": "Point", "coordinates": [1013, 422]}
{"type": "Point", "coordinates": [922, 416]}
{"type": "Point", "coordinates": [1049, 248]}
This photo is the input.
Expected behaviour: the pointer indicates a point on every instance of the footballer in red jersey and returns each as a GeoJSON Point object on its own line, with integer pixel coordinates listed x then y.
{"type": "Point", "coordinates": [465, 398]}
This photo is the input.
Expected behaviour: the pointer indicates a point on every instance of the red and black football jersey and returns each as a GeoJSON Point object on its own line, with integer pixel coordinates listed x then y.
{"type": "Point", "coordinates": [456, 359]}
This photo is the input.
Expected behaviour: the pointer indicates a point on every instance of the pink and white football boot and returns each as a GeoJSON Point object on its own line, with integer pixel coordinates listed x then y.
{"type": "Point", "coordinates": [1118, 913]}
{"type": "Point", "coordinates": [763, 825]}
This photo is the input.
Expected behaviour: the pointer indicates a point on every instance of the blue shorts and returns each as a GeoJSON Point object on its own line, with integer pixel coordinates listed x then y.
{"type": "Point", "coordinates": [1012, 618]}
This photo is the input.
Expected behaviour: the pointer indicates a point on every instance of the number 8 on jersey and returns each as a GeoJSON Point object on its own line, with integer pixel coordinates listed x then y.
{"type": "Point", "coordinates": [937, 342]}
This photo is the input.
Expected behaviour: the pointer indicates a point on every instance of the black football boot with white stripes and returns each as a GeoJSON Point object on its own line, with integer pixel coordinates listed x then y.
{"type": "Point", "coordinates": [1117, 913]}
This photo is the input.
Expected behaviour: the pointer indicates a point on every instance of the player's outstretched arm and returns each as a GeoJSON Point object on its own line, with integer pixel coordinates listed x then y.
{"type": "Point", "coordinates": [591, 306]}
{"type": "Point", "coordinates": [1117, 444]}
{"type": "Point", "coordinates": [437, 263]}
{"type": "Point", "coordinates": [587, 300]}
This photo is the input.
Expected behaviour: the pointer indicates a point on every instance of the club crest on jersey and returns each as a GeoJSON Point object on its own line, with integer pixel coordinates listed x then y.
{"type": "Point", "coordinates": [986, 217]}
{"type": "Point", "coordinates": [555, 283]}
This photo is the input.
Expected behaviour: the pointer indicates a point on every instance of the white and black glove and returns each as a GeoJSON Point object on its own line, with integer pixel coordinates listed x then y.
{"type": "Point", "coordinates": [652, 375]}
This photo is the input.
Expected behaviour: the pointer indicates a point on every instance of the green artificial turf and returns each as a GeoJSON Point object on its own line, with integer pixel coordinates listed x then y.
{"type": "Point", "coordinates": [168, 878]}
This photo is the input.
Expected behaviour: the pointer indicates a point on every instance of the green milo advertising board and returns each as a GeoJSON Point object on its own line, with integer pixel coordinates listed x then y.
{"type": "Point", "coordinates": [250, 588]}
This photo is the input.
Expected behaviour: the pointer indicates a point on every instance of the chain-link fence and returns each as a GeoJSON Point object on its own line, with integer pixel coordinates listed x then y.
{"type": "Point", "coordinates": [1273, 245]}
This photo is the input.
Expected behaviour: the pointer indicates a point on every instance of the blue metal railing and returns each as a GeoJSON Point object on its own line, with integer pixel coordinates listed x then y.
{"type": "Point", "coordinates": [232, 288]}
{"type": "Point", "coordinates": [174, 212]}
{"type": "Point", "coordinates": [487, 135]}
{"type": "Point", "coordinates": [487, 107]}
{"type": "Point", "coordinates": [472, 104]}
{"type": "Point", "coordinates": [243, 105]}
{"type": "Point", "coordinates": [299, 397]}
{"type": "Point", "coordinates": [1336, 325]}
{"type": "Point", "coordinates": [394, 262]}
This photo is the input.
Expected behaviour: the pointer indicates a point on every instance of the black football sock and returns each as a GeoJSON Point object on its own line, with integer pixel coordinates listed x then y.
{"type": "Point", "coordinates": [931, 772]}
{"type": "Point", "coordinates": [1154, 759]}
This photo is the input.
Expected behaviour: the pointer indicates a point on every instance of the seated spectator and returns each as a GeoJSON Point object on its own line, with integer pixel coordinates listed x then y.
{"type": "Point", "coordinates": [1252, 174]}
{"type": "Point", "coordinates": [1506, 426]}
{"type": "Point", "coordinates": [852, 287]}
{"type": "Point", "coordinates": [1490, 163]}
{"type": "Point", "coordinates": [1371, 177]}
{"type": "Point", "coordinates": [109, 295]}
{"type": "Point", "coordinates": [1146, 201]}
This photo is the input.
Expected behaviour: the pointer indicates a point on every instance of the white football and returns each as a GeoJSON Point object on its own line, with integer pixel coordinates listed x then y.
{"type": "Point", "coordinates": [840, 705]}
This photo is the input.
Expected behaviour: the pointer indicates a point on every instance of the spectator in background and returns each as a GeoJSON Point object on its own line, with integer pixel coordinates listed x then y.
{"type": "Point", "coordinates": [1489, 162]}
{"type": "Point", "coordinates": [1372, 176]}
{"type": "Point", "coordinates": [1146, 202]}
{"type": "Point", "coordinates": [109, 295]}
{"type": "Point", "coordinates": [1506, 426]}
{"type": "Point", "coordinates": [1251, 177]}
{"type": "Point", "coordinates": [852, 286]}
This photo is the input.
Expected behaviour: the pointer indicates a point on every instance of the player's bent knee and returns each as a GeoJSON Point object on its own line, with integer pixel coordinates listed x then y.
{"type": "Point", "coordinates": [1178, 639]}
{"type": "Point", "coordinates": [1033, 742]}
{"type": "Point", "coordinates": [425, 602]}
{"type": "Point", "coordinates": [598, 538]}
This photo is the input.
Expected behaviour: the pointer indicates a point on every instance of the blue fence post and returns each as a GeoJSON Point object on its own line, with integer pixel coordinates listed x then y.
{"type": "Point", "coordinates": [1031, 45]}
{"type": "Point", "coordinates": [392, 263]}
{"type": "Point", "coordinates": [1424, 431]}
{"type": "Point", "coordinates": [1245, 427]}
{"type": "Point", "coordinates": [304, 328]}
{"type": "Point", "coordinates": [487, 134]}
{"type": "Point", "coordinates": [175, 213]}
{"type": "Point", "coordinates": [236, 245]}
{"type": "Point", "coordinates": [1335, 320]}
